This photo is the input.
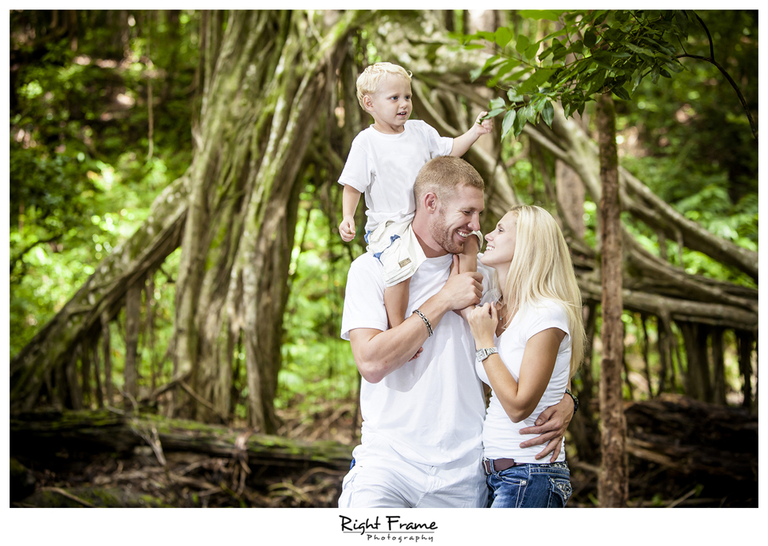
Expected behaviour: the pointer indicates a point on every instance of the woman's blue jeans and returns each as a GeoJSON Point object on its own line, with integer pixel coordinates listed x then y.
{"type": "Point", "coordinates": [530, 486]}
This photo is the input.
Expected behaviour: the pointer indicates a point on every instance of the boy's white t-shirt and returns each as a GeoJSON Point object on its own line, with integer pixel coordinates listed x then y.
{"type": "Point", "coordinates": [501, 437]}
{"type": "Point", "coordinates": [431, 409]}
{"type": "Point", "coordinates": [383, 167]}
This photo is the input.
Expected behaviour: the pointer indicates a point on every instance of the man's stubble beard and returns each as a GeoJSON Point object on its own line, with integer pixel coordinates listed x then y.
{"type": "Point", "coordinates": [444, 237]}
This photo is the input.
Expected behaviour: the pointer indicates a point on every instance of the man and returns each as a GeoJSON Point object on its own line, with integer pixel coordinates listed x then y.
{"type": "Point", "coordinates": [421, 401]}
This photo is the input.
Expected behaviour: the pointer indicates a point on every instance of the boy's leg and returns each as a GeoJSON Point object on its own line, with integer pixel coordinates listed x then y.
{"type": "Point", "coordinates": [468, 258]}
{"type": "Point", "coordinates": [396, 302]}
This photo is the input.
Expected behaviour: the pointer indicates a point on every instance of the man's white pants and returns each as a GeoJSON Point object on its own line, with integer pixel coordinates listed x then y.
{"type": "Point", "coordinates": [381, 478]}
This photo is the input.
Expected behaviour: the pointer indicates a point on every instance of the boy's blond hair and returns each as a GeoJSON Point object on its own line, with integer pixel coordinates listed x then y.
{"type": "Point", "coordinates": [368, 81]}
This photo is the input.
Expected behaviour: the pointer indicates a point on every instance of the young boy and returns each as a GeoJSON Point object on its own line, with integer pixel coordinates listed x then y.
{"type": "Point", "coordinates": [383, 163]}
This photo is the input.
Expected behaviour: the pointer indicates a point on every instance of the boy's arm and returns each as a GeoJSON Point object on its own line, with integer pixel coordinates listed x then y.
{"type": "Point", "coordinates": [464, 142]}
{"type": "Point", "coordinates": [349, 201]}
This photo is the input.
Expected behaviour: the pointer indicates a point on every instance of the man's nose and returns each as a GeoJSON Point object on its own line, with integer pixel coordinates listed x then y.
{"type": "Point", "coordinates": [474, 224]}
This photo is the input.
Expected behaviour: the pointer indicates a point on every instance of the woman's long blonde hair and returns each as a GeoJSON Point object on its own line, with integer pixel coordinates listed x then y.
{"type": "Point", "coordinates": [541, 269]}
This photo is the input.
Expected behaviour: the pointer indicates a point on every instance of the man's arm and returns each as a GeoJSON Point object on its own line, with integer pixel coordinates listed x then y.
{"type": "Point", "coordinates": [550, 426]}
{"type": "Point", "coordinates": [378, 353]}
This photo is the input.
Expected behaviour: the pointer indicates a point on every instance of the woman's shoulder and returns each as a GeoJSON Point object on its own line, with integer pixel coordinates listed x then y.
{"type": "Point", "coordinates": [544, 311]}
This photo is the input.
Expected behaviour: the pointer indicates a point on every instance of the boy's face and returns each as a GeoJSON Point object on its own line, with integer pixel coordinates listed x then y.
{"type": "Point", "coordinates": [390, 105]}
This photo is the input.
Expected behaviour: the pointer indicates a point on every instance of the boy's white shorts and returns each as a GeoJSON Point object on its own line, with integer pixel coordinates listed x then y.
{"type": "Point", "coordinates": [395, 245]}
{"type": "Point", "coordinates": [381, 478]}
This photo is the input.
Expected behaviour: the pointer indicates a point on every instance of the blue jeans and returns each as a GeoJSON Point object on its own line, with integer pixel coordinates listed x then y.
{"type": "Point", "coordinates": [530, 486]}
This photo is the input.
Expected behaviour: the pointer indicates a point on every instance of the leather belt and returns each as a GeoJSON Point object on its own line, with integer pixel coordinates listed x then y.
{"type": "Point", "coordinates": [497, 465]}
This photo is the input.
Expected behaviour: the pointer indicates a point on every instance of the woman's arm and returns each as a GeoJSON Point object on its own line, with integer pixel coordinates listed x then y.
{"type": "Point", "coordinates": [519, 399]}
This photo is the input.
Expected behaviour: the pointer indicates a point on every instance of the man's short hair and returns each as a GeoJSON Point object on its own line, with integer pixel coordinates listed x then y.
{"type": "Point", "coordinates": [368, 81]}
{"type": "Point", "coordinates": [444, 175]}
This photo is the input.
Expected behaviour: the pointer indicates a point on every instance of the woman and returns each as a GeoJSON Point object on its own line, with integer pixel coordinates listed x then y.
{"type": "Point", "coordinates": [528, 348]}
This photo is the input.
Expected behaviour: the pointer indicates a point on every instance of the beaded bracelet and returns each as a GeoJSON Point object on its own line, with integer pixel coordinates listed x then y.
{"type": "Point", "coordinates": [426, 321]}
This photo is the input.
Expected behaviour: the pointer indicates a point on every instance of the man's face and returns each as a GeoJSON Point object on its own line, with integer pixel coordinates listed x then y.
{"type": "Point", "coordinates": [457, 217]}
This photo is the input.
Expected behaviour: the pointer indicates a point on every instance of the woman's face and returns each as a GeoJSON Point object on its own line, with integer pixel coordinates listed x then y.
{"type": "Point", "coordinates": [500, 247]}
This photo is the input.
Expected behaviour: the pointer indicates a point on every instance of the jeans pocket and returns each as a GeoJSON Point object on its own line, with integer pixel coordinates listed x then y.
{"type": "Point", "coordinates": [561, 491]}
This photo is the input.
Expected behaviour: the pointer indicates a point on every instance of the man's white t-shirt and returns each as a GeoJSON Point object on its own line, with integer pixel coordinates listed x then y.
{"type": "Point", "coordinates": [383, 167]}
{"type": "Point", "coordinates": [430, 410]}
{"type": "Point", "coordinates": [501, 437]}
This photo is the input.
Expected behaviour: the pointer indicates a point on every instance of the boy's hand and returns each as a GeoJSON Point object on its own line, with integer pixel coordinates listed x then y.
{"type": "Point", "coordinates": [347, 229]}
{"type": "Point", "coordinates": [483, 126]}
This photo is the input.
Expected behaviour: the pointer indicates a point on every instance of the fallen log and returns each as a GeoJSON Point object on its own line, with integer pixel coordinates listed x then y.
{"type": "Point", "coordinates": [35, 434]}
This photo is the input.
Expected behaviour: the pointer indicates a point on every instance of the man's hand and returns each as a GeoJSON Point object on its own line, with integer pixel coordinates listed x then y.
{"type": "Point", "coordinates": [462, 289]}
{"type": "Point", "coordinates": [347, 229]}
{"type": "Point", "coordinates": [550, 426]}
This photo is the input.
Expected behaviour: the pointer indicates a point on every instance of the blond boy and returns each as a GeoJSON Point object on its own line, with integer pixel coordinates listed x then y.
{"type": "Point", "coordinates": [383, 163]}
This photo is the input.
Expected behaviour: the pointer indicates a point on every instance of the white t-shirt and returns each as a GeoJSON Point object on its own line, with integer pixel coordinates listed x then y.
{"type": "Point", "coordinates": [383, 167]}
{"type": "Point", "coordinates": [501, 437]}
{"type": "Point", "coordinates": [431, 409]}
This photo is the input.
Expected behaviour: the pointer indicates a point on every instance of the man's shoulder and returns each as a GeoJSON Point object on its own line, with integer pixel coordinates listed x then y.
{"type": "Point", "coordinates": [365, 264]}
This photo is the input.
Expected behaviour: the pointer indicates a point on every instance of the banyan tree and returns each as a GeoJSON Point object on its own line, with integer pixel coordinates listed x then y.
{"type": "Point", "coordinates": [277, 108]}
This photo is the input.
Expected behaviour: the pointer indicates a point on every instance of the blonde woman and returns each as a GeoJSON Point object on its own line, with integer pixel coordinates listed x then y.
{"type": "Point", "coordinates": [528, 347]}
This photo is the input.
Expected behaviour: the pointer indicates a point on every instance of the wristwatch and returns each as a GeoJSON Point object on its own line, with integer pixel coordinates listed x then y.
{"type": "Point", "coordinates": [482, 354]}
{"type": "Point", "coordinates": [575, 399]}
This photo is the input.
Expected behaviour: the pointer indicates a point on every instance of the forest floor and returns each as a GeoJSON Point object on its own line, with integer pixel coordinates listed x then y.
{"type": "Point", "coordinates": [188, 479]}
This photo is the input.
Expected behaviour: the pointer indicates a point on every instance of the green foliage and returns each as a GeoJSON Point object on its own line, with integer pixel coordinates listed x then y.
{"type": "Point", "coordinates": [593, 52]}
{"type": "Point", "coordinates": [317, 364]}
{"type": "Point", "coordinates": [81, 176]}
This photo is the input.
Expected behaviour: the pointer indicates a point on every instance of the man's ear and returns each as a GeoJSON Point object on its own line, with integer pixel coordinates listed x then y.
{"type": "Point", "coordinates": [430, 202]}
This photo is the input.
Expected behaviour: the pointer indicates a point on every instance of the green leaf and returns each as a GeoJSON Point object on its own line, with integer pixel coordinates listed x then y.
{"type": "Point", "coordinates": [514, 96]}
{"type": "Point", "coordinates": [621, 93]}
{"type": "Point", "coordinates": [530, 53]}
{"type": "Point", "coordinates": [498, 102]}
{"type": "Point", "coordinates": [681, 19]}
{"type": "Point", "coordinates": [506, 124]}
{"type": "Point", "coordinates": [519, 123]}
{"type": "Point", "coordinates": [493, 113]}
{"type": "Point", "coordinates": [522, 43]}
{"type": "Point", "coordinates": [502, 36]}
{"type": "Point", "coordinates": [546, 53]}
{"type": "Point", "coordinates": [504, 69]}
{"type": "Point", "coordinates": [590, 38]}
{"type": "Point", "coordinates": [548, 113]}
{"type": "Point", "coordinates": [540, 76]}
{"type": "Point", "coordinates": [548, 14]}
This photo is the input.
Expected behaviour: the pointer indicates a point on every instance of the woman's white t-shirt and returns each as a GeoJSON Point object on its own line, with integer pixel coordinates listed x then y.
{"type": "Point", "coordinates": [501, 437]}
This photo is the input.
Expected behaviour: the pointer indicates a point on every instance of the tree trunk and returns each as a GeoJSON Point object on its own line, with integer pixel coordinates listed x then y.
{"type": "Point", "coordinates": [613, 481]}
{"type": "Point", "coordinates": [105, 344]}
{"type": "Point", "coordinates": [132, 325]}
{"type": "Point", "coordinates": [265, 78]}
{"type": "Point", "coordinates": [718, 365]}
{"type": "Point", "coordinates": [697, 377]}
{"type": "Point", "coordinates": [744, 345]}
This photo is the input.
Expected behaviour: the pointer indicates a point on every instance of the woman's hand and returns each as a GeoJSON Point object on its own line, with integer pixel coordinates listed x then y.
{"type": "Point", "coordinates": [482, 322]}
